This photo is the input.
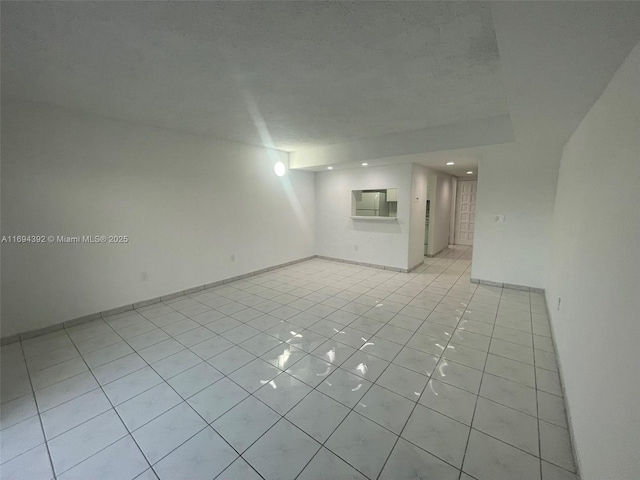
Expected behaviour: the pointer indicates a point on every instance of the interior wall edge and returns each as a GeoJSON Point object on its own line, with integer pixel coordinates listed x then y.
{"type": "Point", "coordinates": [565, 402]}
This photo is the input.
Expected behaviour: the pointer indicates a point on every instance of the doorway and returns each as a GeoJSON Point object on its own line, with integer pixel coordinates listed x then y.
{"type": "Point", "coordinates": [465, 211]}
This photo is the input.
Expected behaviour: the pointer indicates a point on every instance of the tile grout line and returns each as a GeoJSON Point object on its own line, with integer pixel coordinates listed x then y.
{"type": "Point", "coordinates": [224, 376]}
{"type": "Point", "coordinates": [352, 409]}
{"type": "Point", "coordinates": [113, 406]}
{"type": "Point", "coordinates": [183, 400]}
{"type": "Point", "coordinates": [81, 355]}
{"type": "Point", "coordinates": [538, 419]}
{"type": "Point", "coordinates": [423, 389]}
{"type": "Point", "coordinates": [386, 323]}
{"type": "Point", "coordinates": [322, 444]}
{"type": "Point", "coordinates": [475, 407]}
{"type": "Point", "coordinates": [101, 387]}
{"type": "Point", "coordinates": [44, 437]}
{"type": "Point", "coordinates": [535, 382]}
{"type": "Point", "coordinates": [207, 424]}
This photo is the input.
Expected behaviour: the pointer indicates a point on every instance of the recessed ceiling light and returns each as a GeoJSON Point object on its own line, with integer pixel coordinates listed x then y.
{"type": "Point", "coordinates": [365, 164]}
{"type": "Point", "coordinates": [279, 168]}
{"type": "Point", "coordinates": [469, 173]}
{"type": "Point", "coordinates": [450, 163]}
{"type": "Point", "coordinates": [329, 168]}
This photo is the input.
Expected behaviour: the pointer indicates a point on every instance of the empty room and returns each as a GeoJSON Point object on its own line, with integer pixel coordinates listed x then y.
{"type": "Point", "coordinates": [318, 240]}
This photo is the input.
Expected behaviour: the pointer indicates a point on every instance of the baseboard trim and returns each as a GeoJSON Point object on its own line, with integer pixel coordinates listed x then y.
{"type": "Point", "coordinates": [567, 409]}
{"type": "Point", "coordinates": [143, 303]}
{"type": "Point", "coordinates": [417, 265]}
{"type": "Point", "coordinates": [372, 265]}
{"type": "Point", "coordinates": [512, 286]}
{"type": "Point", "coordinates": [437, 253]}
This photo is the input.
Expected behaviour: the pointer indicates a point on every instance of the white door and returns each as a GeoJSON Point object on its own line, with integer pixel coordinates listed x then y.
{"type": "Point", "coordinates": [466, 212]}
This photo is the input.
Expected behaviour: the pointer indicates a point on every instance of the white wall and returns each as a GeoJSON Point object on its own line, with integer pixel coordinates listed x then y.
{"type": "Point", "coordinates": [519, 182]}
{"type": "Point", "coordinates": [437, 187]}
{"type": "Point", "coordinates": [440, 218]}
{"type": "Point", "coordinates": [596, 272]}
{"type": "Point", "coordinates": [186, 202]}
{"type": "Point", "coordinates": [454, 200]}
{"type": "Point", "coordinates": [379, 242]}
{"type": "Point", "coordinates": [420, 176]}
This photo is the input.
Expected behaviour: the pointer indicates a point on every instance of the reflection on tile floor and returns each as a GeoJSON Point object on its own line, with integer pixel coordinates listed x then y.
{"type": "Point", "coordinates": [319, 370]}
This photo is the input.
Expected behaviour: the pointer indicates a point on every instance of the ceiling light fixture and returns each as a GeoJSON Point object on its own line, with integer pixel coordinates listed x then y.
{"type": "Point", "coordinates": [279, 168]}
{"type": "Point", "coordinates": [450, 163]}
{"type": "Point", "coordinates": [365, 164]}
{"type": "Point", "coordinates": [329, 168]}
{"type": "Point", "coordinates": [469, 173]}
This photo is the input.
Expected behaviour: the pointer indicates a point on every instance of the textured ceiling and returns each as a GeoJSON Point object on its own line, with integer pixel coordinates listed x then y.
{"type": "Point", "coordinates": [289, 75]}
{"type": "Point", "coordinates": [556, 59]}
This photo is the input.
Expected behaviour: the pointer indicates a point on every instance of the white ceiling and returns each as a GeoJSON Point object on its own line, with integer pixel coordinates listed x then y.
{"type": "Point", "coordinates": [283, 74]}
{"type": "Point", "coordinates": [304, 76]}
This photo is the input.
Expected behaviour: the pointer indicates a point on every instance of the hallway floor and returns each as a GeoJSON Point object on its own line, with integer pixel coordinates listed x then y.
{"type": "Point", "coordinates": [320, 370]}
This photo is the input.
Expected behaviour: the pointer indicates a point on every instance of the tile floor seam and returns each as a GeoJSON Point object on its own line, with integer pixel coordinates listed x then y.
{"type": "Point", "coordinates": [479, 389]}
{"type": "Point", "coordinates": [535, 381]}
{"type": "Point", "coordinates": [100, 386]}
{"type": "Point", "coordinates": [352, 410]}
{"type": "Point", "coordinates": [417, 401]}
{"type": "Point", "coordinates": [210, 424]}
{"type": "Point", "coordinates": [322, 444]}
{"type": "Point", "coordinates": [130, 433]}
{"type": "Point", "coordinates": [44, 437]}
{"type": "Point", "coordinates": [385, 287]}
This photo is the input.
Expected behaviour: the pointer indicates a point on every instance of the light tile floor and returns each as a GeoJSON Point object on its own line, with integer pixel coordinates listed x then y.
{"type": "Point", "coordinates": [320, 370]}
